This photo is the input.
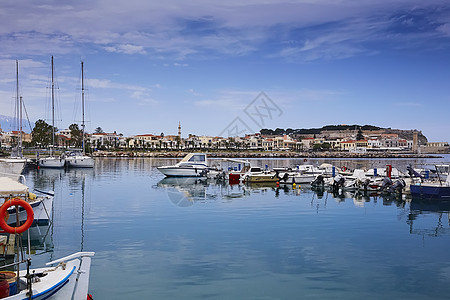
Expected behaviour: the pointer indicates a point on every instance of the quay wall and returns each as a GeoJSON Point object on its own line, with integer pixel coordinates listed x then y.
{"type": "Point", "coordinates": [260, 154]}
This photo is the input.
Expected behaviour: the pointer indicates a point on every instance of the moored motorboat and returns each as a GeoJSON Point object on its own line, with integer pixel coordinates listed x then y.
{"type": "Point", "coordinates": [257, 175]}
{"type": "Point", "coordinates": [432, 190]}
{"type": "Point", "coordinates": [193, 164]}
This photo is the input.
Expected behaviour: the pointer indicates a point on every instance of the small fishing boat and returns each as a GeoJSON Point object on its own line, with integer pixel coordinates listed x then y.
{"type": "Point", "coordinates": [40, 204]}
{"type": "Point", "coordinates": [68, 279]}
{"type": "Point", "coordinates": [257, 175]}
{"type": "Point", "coordinates": [61, 279]}
{"type": "Point", "coordinates": [193, 164]}
{"type": "Point", "coordinates": [291, 176]}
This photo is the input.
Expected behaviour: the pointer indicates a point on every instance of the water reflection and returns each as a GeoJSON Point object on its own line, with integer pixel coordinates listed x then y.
{"type": "Point", "coordinates": [41, 239]}
{"type": "Point", "coordinates": [191, 238]}
{"type": "Point", "coordinates": [429, 217]}
{"type": "Point", "coordinates": [185, 191]}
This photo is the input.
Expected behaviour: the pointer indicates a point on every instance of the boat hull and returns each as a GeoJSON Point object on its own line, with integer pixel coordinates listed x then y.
{"type": "Point", "coordinates": [80, 162]}
{"type": "Point", "coordinates": [298, 179]}
{"type": "Point", "coordinates": [51, 162]}
{"type": "Point", "coordinates": [266, 178]}
{"type": "Point", "coordinates": [42, 208]}
{"type": "Point", "coordinates": [67, 281]}
{"type": "Point", "coordinates": [430, 191]}
{"type": "Point", "coordinates": [174, 171]}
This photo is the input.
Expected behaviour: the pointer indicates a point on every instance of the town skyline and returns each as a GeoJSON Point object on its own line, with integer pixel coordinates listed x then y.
{"type": "Point", "coordinates": [262, 131]}
{"type": "Point", "coordinates": [227, 68]}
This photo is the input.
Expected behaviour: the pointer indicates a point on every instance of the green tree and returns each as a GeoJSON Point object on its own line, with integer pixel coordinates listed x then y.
{"type": "Point", "coordinates": [76, 136]}
{"type": "Point", "coordinates": [42, 133]}
{"type": "Point", "coordinates": [359, 135]}
{"type": "Point", "coordinates": [321, 147]}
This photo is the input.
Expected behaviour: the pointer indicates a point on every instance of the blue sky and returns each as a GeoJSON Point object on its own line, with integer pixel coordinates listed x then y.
{"type": "Point", "coordinates": [152, 64]}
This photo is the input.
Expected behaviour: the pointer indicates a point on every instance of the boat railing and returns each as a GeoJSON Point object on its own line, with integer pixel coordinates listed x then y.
{"type": "Point", "coordinates": [70, 257]}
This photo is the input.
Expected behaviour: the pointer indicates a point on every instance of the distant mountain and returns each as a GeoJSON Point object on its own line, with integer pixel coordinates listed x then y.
{"type": "Point", "coordinates": [7, 124]}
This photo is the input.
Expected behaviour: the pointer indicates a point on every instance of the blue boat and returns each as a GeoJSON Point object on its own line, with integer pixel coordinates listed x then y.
{"type": "Point", "coordinates": [440, 190]}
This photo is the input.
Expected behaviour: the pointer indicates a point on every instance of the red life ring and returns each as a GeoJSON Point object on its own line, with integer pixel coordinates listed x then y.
{"type": "Point", "coordinates": [16, 202]}
{"type": "Point", "coordinates": [344, 168]}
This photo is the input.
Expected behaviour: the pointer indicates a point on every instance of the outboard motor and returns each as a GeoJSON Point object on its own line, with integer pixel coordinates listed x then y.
{"type": "Point", "coordinates": [338, 182]}
{"type": "Point", "coordinates": [277, 175]}
{"type": "Point", "coordinates": [220, 176]}
{"type": "Point", "coordinates": [397, 187]}
{"type": "Point", "coordinates": [318, 181]}
{"type": "Point", "coordinates": [365, 184]}
{"type": "Point", "coordinates": [285, 177]}
{"type": "Point", "coordinates": [385, 184]}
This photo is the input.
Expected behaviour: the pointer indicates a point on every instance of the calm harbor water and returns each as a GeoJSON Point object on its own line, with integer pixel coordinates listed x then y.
{"type": "Point", "coordinates": [159, 238]}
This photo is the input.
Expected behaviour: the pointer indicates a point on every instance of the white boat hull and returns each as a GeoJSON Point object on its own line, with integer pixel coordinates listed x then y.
{"type": "Point", "coordinates": [51, 162]}
{"type": "Point", "coordinates": [68, 280]}
{"type": "Point", "coordinates": [80, 161]}
{"type": "Point", "coordinates": [192, 165]}
{"type": "Point", "coordinates": [173, 171]}
{"type": "Point", "coordinates": [42, 208]}
{"type": "Point", "coordinates": [297, 178]}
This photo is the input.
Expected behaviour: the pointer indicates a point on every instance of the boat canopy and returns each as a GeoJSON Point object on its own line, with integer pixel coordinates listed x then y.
{"type": "Point", "coordinates": [9, 187]}
{"type": "Point", "coordinates": [195, 158]}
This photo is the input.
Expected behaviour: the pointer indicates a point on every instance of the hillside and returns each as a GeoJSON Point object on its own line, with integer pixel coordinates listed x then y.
{"type": "Point", "coordinates": [404, 134]}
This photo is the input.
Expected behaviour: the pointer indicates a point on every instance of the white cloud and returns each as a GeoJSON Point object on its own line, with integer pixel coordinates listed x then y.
{"type": "Point", "coordinates": [126, 49]}
{"type": "Point", "coordinates": [444, 28]}
{"type": "Point", "coordinates": [179, 29]}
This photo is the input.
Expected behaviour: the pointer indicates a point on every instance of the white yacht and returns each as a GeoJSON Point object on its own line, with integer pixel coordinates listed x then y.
{"type": "Point", "coordinates": [51, 162]}
{"type": "Point", "coordinates": [193, 164]}
{"type": "Point", "coordinates": [77, 159]}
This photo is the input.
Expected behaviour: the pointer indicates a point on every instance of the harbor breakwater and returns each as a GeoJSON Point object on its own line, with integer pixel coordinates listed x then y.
{"type": "Point", "coordinates": [261, 154]}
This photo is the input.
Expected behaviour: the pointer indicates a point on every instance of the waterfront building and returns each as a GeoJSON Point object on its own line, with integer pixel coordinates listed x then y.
{"type": "Point", "coordinates": [103, 139]}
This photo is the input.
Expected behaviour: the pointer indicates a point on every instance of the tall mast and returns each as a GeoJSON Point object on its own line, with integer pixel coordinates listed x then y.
{"type": "Point", "coordinates": [20, 128]}
{"type": "Point", "coordinates": [53, 109]}
{"type": "Point", "coordinates": [82, 106]}
{"type": "Point", "coordinates": [19, 111]}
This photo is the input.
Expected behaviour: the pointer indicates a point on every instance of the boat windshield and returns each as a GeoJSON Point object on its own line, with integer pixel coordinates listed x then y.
{"type": "Point", "coordinates": [197, 158]}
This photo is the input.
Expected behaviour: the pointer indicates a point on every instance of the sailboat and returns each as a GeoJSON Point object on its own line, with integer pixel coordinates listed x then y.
{"type": "Point", "coordinates": [52, 161]}
{"type": "Point", "coordinates": [79, 158]}
{"type": "Point", "coordinates": [15, 164]}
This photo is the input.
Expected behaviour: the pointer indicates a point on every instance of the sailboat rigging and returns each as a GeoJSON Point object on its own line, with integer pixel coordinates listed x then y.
{"type": "Point", "coordinates": [77, 158]}
{"type": "Point", "coordinates": [51, 161]}
{"type": "Point", "coordinates": [14, 165]}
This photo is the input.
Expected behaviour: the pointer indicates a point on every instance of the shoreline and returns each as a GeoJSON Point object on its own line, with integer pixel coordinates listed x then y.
{"type": "Point", "coordinates": [255, 154]}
